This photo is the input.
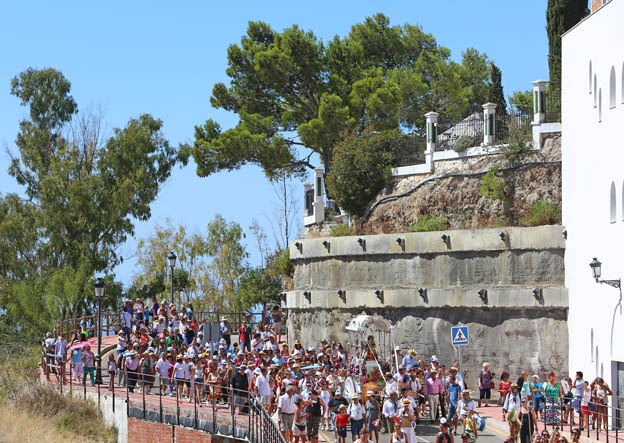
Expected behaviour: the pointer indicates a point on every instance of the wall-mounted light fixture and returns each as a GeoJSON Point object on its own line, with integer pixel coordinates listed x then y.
{"type": "Point", "coordinates": [502, 235]}
{"type": "Point", "coordinates": [483, 295]}
{"type": "Point", "coordinates": [565, 234]}
{"type": "Point", "coordinates": [326, 244]}
{"type": "Point", "coordinates": [445, 238]}
{"type": "Point", "coordinates": [380, 295]}
{"type": "Point", "coordinates": [299, 246]}
{"type": "Point", "coordinates": [342, 294]}
{"type": "Point", "coordinates": [423, 294]}
{"type": "Point", "coordinates": [308, 296]}
{"type": "Point", "coordinates": [283, 296]}
{"type": "Point", "coordinates": [538, 294]}
{"type": "Point", "coordinates": [596, 268]}
{"type": "Point", "coordinates": [362, 242]}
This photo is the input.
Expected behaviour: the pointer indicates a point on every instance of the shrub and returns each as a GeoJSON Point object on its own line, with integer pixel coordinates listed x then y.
{"type": "Point", "coordinates": [492, 186]}
{"type": "Point", "coordinates": [427, 224]}
{"type": "Point", "coordinates": [284, 265]}
{"type": "Point", "coordinates": [464, 142]}
{"type": "Point", "coordinates": [543, 213]}
{"type": "Point", "coordinates": [341, 230]}
{"type": "Point", "coordinates": [361, 167]}
{"type": "Point", "coordinates": [520, 142]}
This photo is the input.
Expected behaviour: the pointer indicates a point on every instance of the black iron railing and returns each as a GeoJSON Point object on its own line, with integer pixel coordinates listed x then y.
{"type": "Point", "coordinates": [460, 135]}
{"type": "Point", "coordinates": [205, 407]}
{"type": "Point", "coordinates": [513, 124]}
{"type": "Point", "coordinates": [553, 106]}
{"type": "Point", "coordinates": [410, 150]}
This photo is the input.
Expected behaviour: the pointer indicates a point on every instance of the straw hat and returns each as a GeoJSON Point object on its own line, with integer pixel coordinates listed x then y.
{"type": "Point", "coordinates": [412, 352]}
{"type": "Point", "coordinates": [406, 401]}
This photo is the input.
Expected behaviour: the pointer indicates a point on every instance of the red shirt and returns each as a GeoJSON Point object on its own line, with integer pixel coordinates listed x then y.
{"type": "Point", "coordinates": [341, 420]}
{"type": "Point", "coordinates": [504, 388]}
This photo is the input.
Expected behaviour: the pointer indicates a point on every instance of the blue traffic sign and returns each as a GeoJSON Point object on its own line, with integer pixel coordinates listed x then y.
{"type": "Point", "coordinates": [459, 335]}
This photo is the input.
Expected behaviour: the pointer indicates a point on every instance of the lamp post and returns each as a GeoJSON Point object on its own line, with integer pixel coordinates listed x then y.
{"type": "Point", "coordinates": [596, 268]}
{"type": "Point", "coordinates": [99, 293]}
{"type": "Point", "coordinates": [172, 262]}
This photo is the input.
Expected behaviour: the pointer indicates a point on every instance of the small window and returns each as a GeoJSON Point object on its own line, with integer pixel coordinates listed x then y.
{"type": "Point", "coordinates": [590, 77]}
{"type": "Point", "coordinates": [592, 345]}
{"type": "Point", "coordinates": [612, 88]}
{"type": "Point", "coordinates": [595, 89]}
{"type": "Point", "coordinates": [622, 201]}
{"type": "Point", "coordinates": [613, 205]}
{"type": "Point", "coordinates": [599, 105]}
{"type": "Point", "coordinates": [622, 83]}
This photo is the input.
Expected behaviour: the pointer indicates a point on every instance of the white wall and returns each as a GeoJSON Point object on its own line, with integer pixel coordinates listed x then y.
{"type": "Point", "coordinates": [593, 157]}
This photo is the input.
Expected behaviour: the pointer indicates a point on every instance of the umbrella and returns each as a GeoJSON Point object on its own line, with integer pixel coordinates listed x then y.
{"type": "Point", "coordinates": [82, 344]}
{"type": "Point", "coordinates": [312, 367]}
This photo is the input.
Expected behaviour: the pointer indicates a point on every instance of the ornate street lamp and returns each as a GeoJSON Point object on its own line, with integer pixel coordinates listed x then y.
{"type": "Point", "coordinates": [596, 268]}
{"type": "Point", "coordinates": [99, 294]}
{"type": "Point", "coordinates": [172, 262]}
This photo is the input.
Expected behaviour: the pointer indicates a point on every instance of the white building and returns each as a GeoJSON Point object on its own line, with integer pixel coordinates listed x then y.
{"type": "Point", "coordinates": [593, 191]}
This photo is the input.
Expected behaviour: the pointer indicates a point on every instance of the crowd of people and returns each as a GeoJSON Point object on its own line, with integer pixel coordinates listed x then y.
{"type": "Point", "coordinates": [307, 389]}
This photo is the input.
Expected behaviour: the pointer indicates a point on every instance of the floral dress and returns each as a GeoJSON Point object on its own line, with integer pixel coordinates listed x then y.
{"type": "Point", "coordinates": [550, 415]}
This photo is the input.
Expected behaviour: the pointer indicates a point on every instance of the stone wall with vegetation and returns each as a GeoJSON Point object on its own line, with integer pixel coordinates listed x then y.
{"type": "Point", "coordinates": [524, 193]}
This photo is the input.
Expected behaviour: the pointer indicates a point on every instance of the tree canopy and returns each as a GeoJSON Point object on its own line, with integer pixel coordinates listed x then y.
{"type": "Point", "coordinates": [296, 95]}
{"type": "Point", "coordinates": [83, 189]}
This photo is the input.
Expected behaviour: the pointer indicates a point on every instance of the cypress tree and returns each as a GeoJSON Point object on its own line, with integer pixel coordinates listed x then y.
{"type": "Point", "coordinates": [561, 15]}
{"type": "Point", "coordinates": [495, 93]}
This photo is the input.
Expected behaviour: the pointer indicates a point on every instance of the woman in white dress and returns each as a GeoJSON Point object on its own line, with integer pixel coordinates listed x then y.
{"type": "Point", "coordinates": [406, 415]}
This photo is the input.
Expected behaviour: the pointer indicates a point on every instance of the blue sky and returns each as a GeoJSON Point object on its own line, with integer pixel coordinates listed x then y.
{"type": "Point", "coordinates": [163, 58]}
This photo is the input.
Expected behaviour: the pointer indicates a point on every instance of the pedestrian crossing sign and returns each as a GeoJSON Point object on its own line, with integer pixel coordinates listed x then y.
{"type": "Point", "coordinates": [459, 335]}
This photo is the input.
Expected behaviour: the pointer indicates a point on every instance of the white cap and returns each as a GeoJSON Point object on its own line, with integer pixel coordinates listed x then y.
{"type": "Point", "coordinates": [434, 358]}
{"type": "Point", "coordinates": [397, 348]}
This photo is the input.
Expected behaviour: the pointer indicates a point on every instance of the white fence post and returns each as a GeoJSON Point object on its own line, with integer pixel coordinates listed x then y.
{"type": "Point", "coordinates": [539, 101]}
{"type": "Point", "coordinates": [489, 123]}
{"type": "Point", "coordinates": [432, 136]}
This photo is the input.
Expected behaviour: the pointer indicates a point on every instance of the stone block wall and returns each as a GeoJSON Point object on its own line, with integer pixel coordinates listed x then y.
{"type": "Point", "coordinates": [513, 328]}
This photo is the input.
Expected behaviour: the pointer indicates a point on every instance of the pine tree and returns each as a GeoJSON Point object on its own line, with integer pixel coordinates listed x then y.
{"type": "Point", "coordinates": [561, 15]}
{"type": "Point", "coordinates": [495, 93]}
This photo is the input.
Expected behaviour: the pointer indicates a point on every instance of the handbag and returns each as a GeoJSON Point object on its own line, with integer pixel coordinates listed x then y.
{"type": "Point", "coordinates": [376, 423]}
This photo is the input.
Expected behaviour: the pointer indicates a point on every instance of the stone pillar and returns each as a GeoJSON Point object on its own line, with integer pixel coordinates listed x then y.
{"type": "Point", "coordinates": [539, 101]}
{"type": "Point", "coordinates": [432, 137]}
{"type": "Point", "coordinates": [489, 123]}
{"type": "Point", "coordinates": [308, 203]}
{"type": "Point", "coordinates": [319, 203]}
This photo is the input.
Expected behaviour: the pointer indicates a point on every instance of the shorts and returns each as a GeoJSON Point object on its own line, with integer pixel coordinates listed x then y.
{"type": "Point", "coordinates": [180, 382]}
{"type": "Point", "coordinates": [199, 381]}
{"type": "Point", "coordinates": [485, 393]}
{"type": "Point", "coordinates": [287, 422]}
{"type": "Point", "coordinates": [576, 403]}
{"type": "Point", "coordinates": [538, 403]}
{"type": "Point", "coordinates": [341, 431]}
{"type": "Point", "coordinates": [356, 427]}
{"type": "Point", "coordinates": [299, 429]}
{"type": "Point", "coordinates": [265, 400]}
{"type": "Point", "coordinates": [585, 410]}
{"type": "Point", "coordinates": [452, 411]}
{"type": "Point", "coordinates": [312, 424]}
{"type": "Point", "coordinates": [239, 400]}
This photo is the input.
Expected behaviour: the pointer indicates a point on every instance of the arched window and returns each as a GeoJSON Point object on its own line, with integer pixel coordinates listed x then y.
{"type": "Point", "coordinates": [612, 88]}
{"type": "Point", "coordinates": [590, 77]}
{"type": "Point", "coordinates": [622, 201]}
{"type": "Point", "coordinates": [622, 82]}
{"type": "Point", "coordinates": [595, 90]}
{"type": "Point", "coordinates": [599, 105]}
{"type": "Point", "coordinates": [613, 212]}
{"type": "Point", "coordinates": [592, 345]}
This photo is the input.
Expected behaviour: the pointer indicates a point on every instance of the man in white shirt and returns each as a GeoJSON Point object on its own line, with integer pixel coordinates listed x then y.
{"type": "Point", "coordinates": [263, 389]}
{"type": "Point", "coordinates": [126, 323]}
{"type": "Point", "coordinates": [162, 366]}
{"type": "Point", "coordinates": [356, 412]}
{"type": "Point", "coordinates": [391, 384]}
{"type": "Point", "coordinates": [391, 408]}
{"type": "Point", "coordinates": [513, 403]}
{"type": "Point", "coordinates": [286, 412]}
{"type": "Point", "coordinates": [465, 403]}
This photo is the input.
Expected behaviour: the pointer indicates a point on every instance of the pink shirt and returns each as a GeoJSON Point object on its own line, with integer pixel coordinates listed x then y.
{"type": "Point", "coordinates": [433, 386]}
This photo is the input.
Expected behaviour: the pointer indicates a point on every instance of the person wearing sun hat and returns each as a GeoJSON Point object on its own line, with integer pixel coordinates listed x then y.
{"type": "Point", "coordinates": [410, 360]}
{"type": "Point", "coordinates": [406, 415]}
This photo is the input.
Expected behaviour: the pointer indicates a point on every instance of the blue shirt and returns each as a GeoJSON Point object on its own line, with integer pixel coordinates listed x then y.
{"type": "Point", "coordinates": [537, 385]}
{"type": "Point", "coordinates": [454, 391]}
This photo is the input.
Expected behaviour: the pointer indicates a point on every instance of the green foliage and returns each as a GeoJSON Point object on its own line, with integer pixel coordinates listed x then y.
{"type": "Point", "coordinates": [291, 90]}
{"type": "Point", "coordinates": [362, 167]}
{"type": "Point", "coordinates": [561, 15]}
{"type": "Point", "coordinates": [259, 286]}
{"type": "Point", "coordinates": [464, 142]}
{"type": "Point", "coordinates": [493, 186]}
{"type": "Point", "coordinates": [543, 213]}
{"type": "Point", "coordinates": [84, 189]}
{"type": "Point", "coordinates": [520, 142]}
{"type": "Point", "coordinates": [522, 101]}
{"type": "Point", "coordinates": [281, 264]}
{"type": "Point", "coordinates": [495, 89]}
{"type": "Point", "coordinates": [429, 224]}
{"type": "Point", "coordinates": [475, 75]}
{"type": "Point", "coordinates": [341, 230]}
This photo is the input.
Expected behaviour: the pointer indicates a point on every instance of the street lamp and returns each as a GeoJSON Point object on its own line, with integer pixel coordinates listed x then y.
{"type": "Point", "coordinates": [172, 262]}
{"type": "Point", "coordinates": [99, 294]}
{"type": "Point", "coordinates": [596, 268]}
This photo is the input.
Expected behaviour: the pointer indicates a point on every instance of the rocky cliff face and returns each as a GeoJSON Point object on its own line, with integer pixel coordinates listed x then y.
{"type": "Point", "coordinates": [459, 200]}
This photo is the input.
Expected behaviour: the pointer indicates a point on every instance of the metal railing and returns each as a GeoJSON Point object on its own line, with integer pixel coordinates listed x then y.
{"type": "Point", "coordinates": [552, 107]}
{"type": "Point", "coordinates": [564, 419]}
{"type": "Point", "coordinates": [511, 124]}
{"type": "Point", "coordinates": [410, 150]}
{"type": "Point", "coordinates": [206, 407]}
{"type": "Point", "coordinates": [460, 135]}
